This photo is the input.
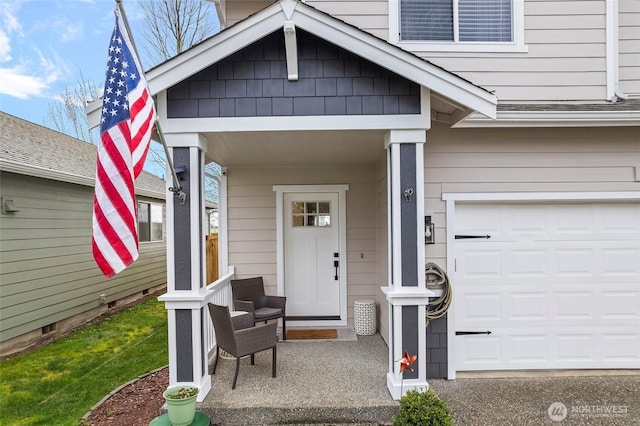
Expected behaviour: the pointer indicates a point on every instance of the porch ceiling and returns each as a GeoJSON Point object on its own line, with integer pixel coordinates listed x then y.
{"type": "Point", "coordinates": [295, 148]}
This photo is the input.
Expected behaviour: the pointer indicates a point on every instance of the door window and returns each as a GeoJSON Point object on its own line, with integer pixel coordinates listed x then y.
{"type": "Point", "coordinates": [311, 213]}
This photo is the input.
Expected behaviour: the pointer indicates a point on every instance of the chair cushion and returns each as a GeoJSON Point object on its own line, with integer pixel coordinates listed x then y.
{"type": "Point", "coordinates": [267, 312]}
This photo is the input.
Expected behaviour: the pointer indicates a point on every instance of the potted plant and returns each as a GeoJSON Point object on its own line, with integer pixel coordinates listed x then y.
{"type": "Point", "coordinates": [181, 404]}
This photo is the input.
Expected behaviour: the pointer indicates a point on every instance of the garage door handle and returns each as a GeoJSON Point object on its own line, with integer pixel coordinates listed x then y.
{"type": "Point", "coordinates": [467, 237]}
{"type": "Point", "coordinates": [467, 333]}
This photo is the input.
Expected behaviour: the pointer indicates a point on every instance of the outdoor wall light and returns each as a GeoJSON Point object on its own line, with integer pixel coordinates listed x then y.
{"type": "Point", "coordinates": [429, 236]}
{"type": "Point", "coordinates": [408, 193]}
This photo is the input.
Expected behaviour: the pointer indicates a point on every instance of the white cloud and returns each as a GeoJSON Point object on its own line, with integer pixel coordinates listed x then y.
{"type": "Point", "coordinates": [22, 82]}
{"type": "Point", "coordinates": [71, 32]}
{"type": "Point", "coordinates": [5, 47]}
{"type": "Point", "coordinates": [15, 82]}
{"type": "Point", "coordinates": [9, 19]}
{"type": "Point", "coordinates": [10, 25]}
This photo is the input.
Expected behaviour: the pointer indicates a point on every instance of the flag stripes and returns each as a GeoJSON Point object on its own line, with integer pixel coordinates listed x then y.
{"type": "Point", "coordinates": [126, 126]}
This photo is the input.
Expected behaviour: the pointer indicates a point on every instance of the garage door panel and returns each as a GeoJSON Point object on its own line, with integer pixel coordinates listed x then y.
{"type": "Point", "coordinates": [484, 307]}
{"type": "Point", "coordinates": [620, 304]}
{"type": "Point", "coordinates": [574, 305]}
{"type": "Point", "coordinates": [526, 306]}
{"type": "Point", "coordinates": [558, 286]}
{"type": "Point", "coordinates": [527, 263]}
{"type": "Point", "coordinates": [485, 264]}
{"type": "Point", "coordinates": [575, 347]}
{"type": "Point", "coordinates": [621, 261]}
{"type": "Point", "coordinates": [622, 348]}
{"type": "Point", "coordinates": [620, 219]}
{"type": "Point", "coordinates": [527, 348]}
{"type": "Point", "coordinates": [482, 351]}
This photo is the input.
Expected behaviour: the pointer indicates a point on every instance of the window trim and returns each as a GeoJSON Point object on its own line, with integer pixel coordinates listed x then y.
{"type": "Point", "coordinates": [517, 45]}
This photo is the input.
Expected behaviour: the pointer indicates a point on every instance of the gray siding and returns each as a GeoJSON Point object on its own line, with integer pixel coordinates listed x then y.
{"type": "Point", "coordinates": [47, 270]}
{"type": "Point", "coordinates": [253, 82]}
{"type": "Point", "coordinates": [437, 348]}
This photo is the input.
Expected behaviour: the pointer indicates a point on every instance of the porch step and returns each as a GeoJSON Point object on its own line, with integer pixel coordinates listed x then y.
{"type": "Point", "coordinates": [316, 416]}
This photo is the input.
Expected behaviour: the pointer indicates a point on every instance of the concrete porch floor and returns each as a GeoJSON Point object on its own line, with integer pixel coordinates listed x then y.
{"type": "Point", "coordinates": [318, 382]}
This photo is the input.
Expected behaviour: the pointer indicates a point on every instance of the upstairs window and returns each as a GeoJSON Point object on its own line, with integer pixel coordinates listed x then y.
{"type": "Point", "coordinates": [486, 21]}
{"type": "Point", "coordinates": [457, 25]}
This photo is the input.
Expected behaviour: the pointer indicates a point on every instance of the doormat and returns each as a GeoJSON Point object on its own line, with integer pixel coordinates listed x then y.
{"type": "Point", "coordinates": [323, 334]}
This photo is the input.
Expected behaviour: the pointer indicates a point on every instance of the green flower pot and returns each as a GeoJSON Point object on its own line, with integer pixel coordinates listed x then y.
{"type": "Point", "coordinates": [180, 408]}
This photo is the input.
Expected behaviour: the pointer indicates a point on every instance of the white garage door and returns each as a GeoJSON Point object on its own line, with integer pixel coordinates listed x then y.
{"type": "Point", "coordinates": [557, 285]}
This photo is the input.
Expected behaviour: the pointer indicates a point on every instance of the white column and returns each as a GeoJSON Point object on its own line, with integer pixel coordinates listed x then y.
{"type": "Point", "coordinates": [186, 267]}
{"type": "Point", "coordinates": [406, 293]}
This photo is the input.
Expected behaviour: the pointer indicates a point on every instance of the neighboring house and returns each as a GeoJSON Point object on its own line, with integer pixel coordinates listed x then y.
{"type": "Point", "coordinates": [49, 281]}
{"type": "Point", "coordinates": [344, 126]}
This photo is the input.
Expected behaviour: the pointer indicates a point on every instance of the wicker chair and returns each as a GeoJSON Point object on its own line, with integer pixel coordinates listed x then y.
{"type": "Point", "coordinates": [240, 338]}
{"type": "Point", "coordinates": [248, 295]}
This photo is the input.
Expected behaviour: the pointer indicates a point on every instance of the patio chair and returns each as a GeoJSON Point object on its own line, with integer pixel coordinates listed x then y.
{"type": "Point", "coordinates": [239, 337]}
{"type": "Point", "coordinates": [248, 295]}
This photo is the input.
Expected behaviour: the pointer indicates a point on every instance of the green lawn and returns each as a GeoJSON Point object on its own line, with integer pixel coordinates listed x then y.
{"type": "Point", "coordinates": [59, 383]}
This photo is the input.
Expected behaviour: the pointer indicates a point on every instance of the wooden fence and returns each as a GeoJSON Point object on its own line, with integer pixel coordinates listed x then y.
{"type": "Point", "coordinates": [212, 259]}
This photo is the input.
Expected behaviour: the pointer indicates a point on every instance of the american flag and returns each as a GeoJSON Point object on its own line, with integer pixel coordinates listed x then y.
{"type": "Point", "coordinates": [126, 125]}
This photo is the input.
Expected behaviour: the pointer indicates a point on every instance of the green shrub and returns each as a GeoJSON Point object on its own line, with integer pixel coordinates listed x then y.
{"type": "Point", "coordinates": [422, 409]}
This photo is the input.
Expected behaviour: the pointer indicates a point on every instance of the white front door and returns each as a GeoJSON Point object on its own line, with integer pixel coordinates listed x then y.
{"type": "Point", "coordinates": [312, 255]}
{"type": "Point", "coordinates": [556, 285]}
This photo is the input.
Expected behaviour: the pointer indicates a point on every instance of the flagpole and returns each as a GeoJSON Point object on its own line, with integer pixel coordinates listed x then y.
{"type": "Point", "coordinates": [176, 188]}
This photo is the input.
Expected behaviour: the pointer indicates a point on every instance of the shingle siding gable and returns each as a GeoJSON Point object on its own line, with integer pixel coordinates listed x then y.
{"type": "Point", "coordinates": [253, 82]}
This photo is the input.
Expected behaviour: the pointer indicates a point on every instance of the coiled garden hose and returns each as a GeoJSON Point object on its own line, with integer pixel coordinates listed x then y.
{"type": "Point", "coordinates": [438, 307]}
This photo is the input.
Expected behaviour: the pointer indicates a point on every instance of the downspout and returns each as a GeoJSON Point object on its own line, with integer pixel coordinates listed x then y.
{"type": "Point", "coordinates": [614, 93]}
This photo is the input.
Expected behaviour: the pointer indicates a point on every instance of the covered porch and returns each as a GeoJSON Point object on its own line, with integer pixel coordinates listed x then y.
{"type": "Point", "coordinates": [318, 127]}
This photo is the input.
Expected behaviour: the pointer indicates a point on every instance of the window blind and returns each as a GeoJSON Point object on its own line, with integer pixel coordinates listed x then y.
{"type": "Point", "coordinates": [426, 20]}
{"type": "Point", "coordinates": [484, 20]}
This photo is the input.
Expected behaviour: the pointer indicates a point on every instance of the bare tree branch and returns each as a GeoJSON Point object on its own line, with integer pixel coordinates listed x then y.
{"type": "Point", "coordinates": [172, 26]}
{"type": "Point", "coordinates": [67, 115]}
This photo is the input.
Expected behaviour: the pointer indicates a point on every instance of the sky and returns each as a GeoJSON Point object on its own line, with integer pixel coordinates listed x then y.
{"type": "Point", "coordinates": [48, 45]}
